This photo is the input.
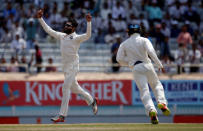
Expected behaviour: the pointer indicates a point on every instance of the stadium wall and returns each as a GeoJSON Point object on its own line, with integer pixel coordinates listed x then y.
{"type": "Point", "coordinates": [185, 98]}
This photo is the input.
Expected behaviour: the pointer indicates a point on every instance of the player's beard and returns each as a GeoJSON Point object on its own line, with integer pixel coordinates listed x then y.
{"type": "Point", "coordinates": [68, 31]}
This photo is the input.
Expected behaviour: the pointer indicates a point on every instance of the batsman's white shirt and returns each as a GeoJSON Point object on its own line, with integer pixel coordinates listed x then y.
{"type": "Point", "coordinates": [138, 48]}
{"type": "Point", "coordinates": [69, 46]}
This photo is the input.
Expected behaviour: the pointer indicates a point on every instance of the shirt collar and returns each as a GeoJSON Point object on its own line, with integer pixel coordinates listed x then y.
{"type": "Point", "coordinates": [71, 35]}
{"type": "Point", "coordinates": [135, 35]}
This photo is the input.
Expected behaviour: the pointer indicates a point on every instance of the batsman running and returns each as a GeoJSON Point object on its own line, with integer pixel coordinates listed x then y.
{"type": "Point", "coordinates": [134, 53]}
{"type": "Point", "coordinates": [69, 46]}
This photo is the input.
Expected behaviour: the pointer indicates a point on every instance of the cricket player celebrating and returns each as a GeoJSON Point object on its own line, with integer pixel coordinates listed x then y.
{"type": "Point", "coordinates": [134, 53]}
{"type": "Point", "coordinates": [69, 45]}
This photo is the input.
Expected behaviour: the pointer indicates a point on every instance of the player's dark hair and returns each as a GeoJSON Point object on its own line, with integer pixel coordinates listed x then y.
{"type": "Point", "coordinates": [73, 22]}
{"type": "Point", "coordinates": [133, 29]}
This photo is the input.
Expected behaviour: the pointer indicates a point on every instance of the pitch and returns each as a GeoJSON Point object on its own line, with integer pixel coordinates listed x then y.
{"type": "Point", "coordinates": [101, 127]}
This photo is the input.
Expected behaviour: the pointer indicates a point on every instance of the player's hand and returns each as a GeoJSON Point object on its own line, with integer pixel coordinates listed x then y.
{"type": "Point", "coordinates": [88, 17]}
{"type": "Point", "coordinates": [39, 13]}
{"type": "Point", "coordinates": [162, 69]}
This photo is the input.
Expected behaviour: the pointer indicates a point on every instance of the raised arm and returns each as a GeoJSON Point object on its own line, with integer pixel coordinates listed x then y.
{"type": "Point", "coordinates": [48, 29]}
{"type": "Point", "coordinates": [87, 35]}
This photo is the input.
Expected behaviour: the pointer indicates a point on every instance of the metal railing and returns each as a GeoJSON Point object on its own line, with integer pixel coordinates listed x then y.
{"type": "Point", "coordinates": [99, 65]}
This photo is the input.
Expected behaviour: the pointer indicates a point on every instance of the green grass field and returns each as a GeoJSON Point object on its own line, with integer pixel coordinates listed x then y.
{"type": "Point", "coordinates": [101, 127]}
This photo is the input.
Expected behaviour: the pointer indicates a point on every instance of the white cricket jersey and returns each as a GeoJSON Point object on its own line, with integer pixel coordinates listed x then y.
{"type": "Point", "coordinates": [69, 45]}
{"type": "Point", "coordinates": [136, 48]}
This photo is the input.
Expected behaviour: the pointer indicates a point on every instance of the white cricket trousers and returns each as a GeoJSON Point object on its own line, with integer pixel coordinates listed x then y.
{"type": "Point", "coordinates": [71, 85]}
{"type": "Point", "coordinates": [144, 73]}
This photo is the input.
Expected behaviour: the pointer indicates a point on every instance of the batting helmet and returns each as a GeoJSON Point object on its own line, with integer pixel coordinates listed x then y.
{"type": "Point", "coordinates": [133, 29]}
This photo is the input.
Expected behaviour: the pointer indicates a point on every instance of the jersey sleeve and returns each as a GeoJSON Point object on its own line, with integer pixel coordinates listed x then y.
{"type": "Point", "coordinates": [121, 56]}
{"type": "Point", "coordinates": [151, 52]}
{"type": "Point", "coordinates": [87, 35]}
{"type": "Point", "coordinates": [49, 30]}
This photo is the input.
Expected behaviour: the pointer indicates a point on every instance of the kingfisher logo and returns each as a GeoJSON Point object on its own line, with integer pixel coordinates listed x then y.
{"type": "Point", "coordinates": [10, 94]}
{"type": "Point", "coordinates": [32, 93]}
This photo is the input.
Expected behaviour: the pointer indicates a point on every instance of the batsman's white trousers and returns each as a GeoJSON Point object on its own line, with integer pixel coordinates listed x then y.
{"type": "Point", "coordinates": [71, 85]}
{"type": "Point", "coordinates": [144, 73]}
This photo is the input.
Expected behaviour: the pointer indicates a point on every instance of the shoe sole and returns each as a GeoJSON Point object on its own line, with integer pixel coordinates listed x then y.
{"type": "Point", "coordinates": [154, 114]}
{"type": "Point", "coordinates": [167, 112]}
{"type": "Point", "coordinates": [55, 121]}
{"type": "Point", "coordinates": [96, 99]}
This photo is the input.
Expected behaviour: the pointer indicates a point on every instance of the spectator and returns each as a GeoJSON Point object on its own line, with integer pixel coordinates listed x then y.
{"type": "Point", "coordinates": [119, 24]}
{"type": "Point", "coordinates": [196, 36]}
{"type": "Point", "coordinates": [66, 11]}
{"type": "Point", "coordinates": [105, 11]}
{"type": "Point", "coordinates": [50, 67]}
{"type": "Point", "coordinates": [30, 62]}
{"type": "Point", "coordinates": [131, 9]}
{"type": "Point", "coordinates": [174, 29]}
{"type": "Point", "coordinates": [166, 61]}
{"type": "Point", "coordinates": [10, 21]}
{"type": "Point", "coordinates": [143, 31]}
{"type": "Point", "coordinates": [23, 64]}
{"type": "Point", "coordinates": [114, 50]}
{"type": "Point", "coordinates": [169, 3]}
{"type": "Point", "coordinates": [195, 57]}
{"type": "Point", "coordinates": [183, 1]}
{"type": "Point", "coordinates": [38, 58]}
{"type": "Point", "coordinates": [43, 34]}
{"type": "Point", "coordinates": [165, 30]}
{"type": "Point", "coordinates": [189, 27]}
{"type": "Point", "coordinates": [6, 36]}
{"type": "Point", "coordinates": [165, 50]}
{"type": "Point", "coordinates": [109, 38]}
{"type": "Point", "coordinates": [201, 46]}
{"type": "Point", "coordinates": [16, 28]}
{"type": "Point", "coordinates": [31, 30]}
{"type": "Point", "coordinates": [133, 20]}
{"type": "Point", "coordinates": [184, 37]}
{"type": "Point", "coordinates": [144, 21]}
{"type": "Point", "coordinates": [176, 11]}
{"type": "Point", "coordinates": [82, 26]}
{"type": "Point", "coordinates": [2, 63]}
{"type": "Point", "coordinates": [154, 13]}
{"type": "Point", "coordinates": [18, 18]}
{"type": "Point", "coordinates": [63, 19]}
{"type": "Point", "coordinates": [118, 10]}
{"type": "Point", "coordinates": [96, 22]}
{"type": "Point", "coordinates": [159, 37]}
{"type": "Point", "coordinates": [9, 10]}
{"type": "Point", "coordinates": [167, 20]}
{"type": "Point", "coordinates": [46, 8]}
{"type": "Point", "coordinates": [200, 10]}
{"type": "Point", "coordinates": [31, 11]}
{"type": "Point", "coordinates": [18, 44]}
{"type": "Point", "coordinates": [88, 4]}
{"type": "Point", "coordinates": [200, 28]}
{"type": "Point", "coordinates": [13, 65]}
{"type": "Point", "coordinates": [191, 14]}
{"type": "Point", "coordinates": [107, 23]}
{"type": "Point", "coordinates": [55, 6]}
{"type": "Point", "coordinates": [20, 11]}
{"type": "Point", "coordinates": [181, 57]}
{"type": "Point", "coordinates": [55, 19]}
{"type": "Point", "coordinates": [100, 37]}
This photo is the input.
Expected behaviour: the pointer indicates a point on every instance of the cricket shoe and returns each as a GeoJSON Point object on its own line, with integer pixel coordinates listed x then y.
{"type": "Point", "coordinates": [59, 118]}
{"type": "Point", "coordinates": [164, 109]}
{"type": "Point", "coordinates": [94, 106]}
{"type": "Point", "coordinates": [153, 116]}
